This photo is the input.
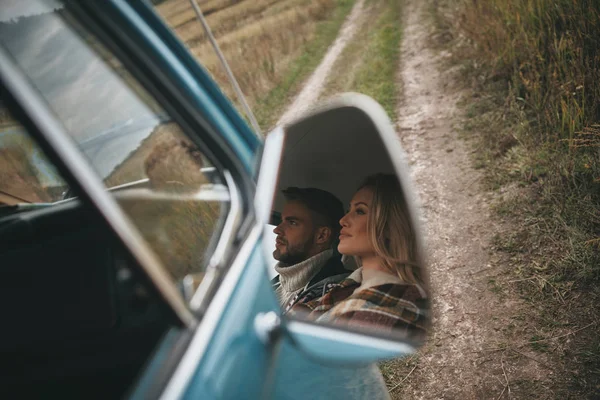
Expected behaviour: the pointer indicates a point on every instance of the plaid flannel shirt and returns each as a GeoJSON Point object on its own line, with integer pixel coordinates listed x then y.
{"type": "Point", "coordinates": [397, 309]}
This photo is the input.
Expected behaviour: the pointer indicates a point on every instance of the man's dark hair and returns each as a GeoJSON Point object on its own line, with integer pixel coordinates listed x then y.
{"type": "Point", "coordinates": [327, 208]}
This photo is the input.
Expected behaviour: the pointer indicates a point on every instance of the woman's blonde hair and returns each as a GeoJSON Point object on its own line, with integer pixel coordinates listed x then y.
{"type": "Point", "coordinates": [389, 228]}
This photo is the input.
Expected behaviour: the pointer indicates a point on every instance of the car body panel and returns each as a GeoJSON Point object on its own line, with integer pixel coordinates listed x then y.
{"type": "Point", "coordinates": [235, 363]}
{"type": "Point", "coordinates": [300, 377]}
{"type": "Point", "coordinates": [222, 356]}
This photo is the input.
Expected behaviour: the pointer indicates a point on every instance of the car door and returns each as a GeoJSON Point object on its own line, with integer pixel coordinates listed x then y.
{"type": "Point", "coordinates": [144, 141]}
{"type": "Point", "coordinates": [240, 349]}
{"type": "Point", "coordinates": [221, 333]}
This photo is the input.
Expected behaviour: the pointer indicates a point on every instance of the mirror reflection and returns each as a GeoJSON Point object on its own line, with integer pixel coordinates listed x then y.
{"type": "Point", "coordinates": [346, 248]}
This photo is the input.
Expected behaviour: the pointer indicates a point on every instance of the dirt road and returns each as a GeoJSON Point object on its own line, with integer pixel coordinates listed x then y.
{"type": "Point", "coordinates": [469, 355]}
{"type": "Point", "coordinates": [311, 91]}
{"type": "Point", "coordinates": [471, 320]}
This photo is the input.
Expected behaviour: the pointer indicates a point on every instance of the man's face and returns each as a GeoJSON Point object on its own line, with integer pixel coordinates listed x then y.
{"type": "Point", "coordinates": [295, 234]}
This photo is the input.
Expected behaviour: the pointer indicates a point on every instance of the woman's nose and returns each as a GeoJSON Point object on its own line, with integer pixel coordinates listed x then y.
{"type": "Point", "coordinates": [344, 220]}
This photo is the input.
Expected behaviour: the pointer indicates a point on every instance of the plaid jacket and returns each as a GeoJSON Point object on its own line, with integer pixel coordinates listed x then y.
{"type": "Point", "coordinates": [398, 309]}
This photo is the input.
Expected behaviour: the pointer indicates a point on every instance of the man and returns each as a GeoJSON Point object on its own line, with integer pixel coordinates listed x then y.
{"type": "Point", "coordinates": [306, 244]}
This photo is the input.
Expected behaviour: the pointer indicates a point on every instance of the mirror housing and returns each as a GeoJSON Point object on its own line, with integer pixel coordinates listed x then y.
{"type": "Point", "coordinates": [330, 345]}
{"type": "Point", "coordinates": [334, 147]}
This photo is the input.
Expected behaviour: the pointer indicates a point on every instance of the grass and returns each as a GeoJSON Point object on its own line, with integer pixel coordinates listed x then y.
{"type": "Point", "coordinates": [271, 46]}
{"type": "Point", "coordinates": [18, 178]}
{"type": "Point", "coordinates": [269, 108]}
{"type": "Point", "coordinates": [396, 372]}
{"type": "Point", "coordinates": [532, 72]}
{"type": "Point", "coordinates": [370, 62]}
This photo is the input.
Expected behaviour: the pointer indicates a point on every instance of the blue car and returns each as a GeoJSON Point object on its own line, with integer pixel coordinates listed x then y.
{"type": "Point", "coordinates": [135, 204]}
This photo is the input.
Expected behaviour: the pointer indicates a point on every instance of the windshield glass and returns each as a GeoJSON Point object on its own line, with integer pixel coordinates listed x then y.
{"type": "Point", "coordinates": [106, 118]}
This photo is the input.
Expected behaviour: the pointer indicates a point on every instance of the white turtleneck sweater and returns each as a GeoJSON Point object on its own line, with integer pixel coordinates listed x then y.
{"type": "Point", "coordinates": [294, 278]}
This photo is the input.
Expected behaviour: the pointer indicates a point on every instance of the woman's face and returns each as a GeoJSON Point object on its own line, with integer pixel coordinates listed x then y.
{"type": "Point", "coordinates": [353, 236]}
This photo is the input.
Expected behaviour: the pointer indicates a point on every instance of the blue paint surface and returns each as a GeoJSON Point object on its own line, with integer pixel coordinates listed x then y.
{"type": "Point", "coordinates": [236, 362]}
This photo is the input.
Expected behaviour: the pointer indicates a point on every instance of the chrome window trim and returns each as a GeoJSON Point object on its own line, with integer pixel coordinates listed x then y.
{"type": "Point", "coordinates": [268, 174]}
{"type": "Point", "coordinates": [54, 134]}
{"type": "Point", "coordinates": [205, 331]}
{"type": "Point", "coordinates": [233, 220]}
{"type": "Point", "coordinates": [227, 237]}
{"type": "Point", "coordinates": [141, 182]}
{"type": "Point", "coordinates": [268, 178]}
{"type": "Point", "coordinates": [204, 193]}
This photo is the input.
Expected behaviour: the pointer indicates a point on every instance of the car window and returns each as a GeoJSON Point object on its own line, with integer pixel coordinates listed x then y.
{"type": "Point", "coordinates": [169, 188]}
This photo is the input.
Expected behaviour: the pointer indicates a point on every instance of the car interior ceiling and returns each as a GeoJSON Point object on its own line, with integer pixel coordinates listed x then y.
{"type": "Point", "coordinates": [334, 150]}
{"type": "Point", "coordinates": [78, 322]}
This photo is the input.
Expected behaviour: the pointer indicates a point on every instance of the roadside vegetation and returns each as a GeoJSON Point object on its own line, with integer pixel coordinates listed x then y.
{"type": "Point", "coordinates": [532, 73]}
{"type": "Point", "coordinates": [270, 45]}
{"type": "Point", "coordinates": [370, 62]}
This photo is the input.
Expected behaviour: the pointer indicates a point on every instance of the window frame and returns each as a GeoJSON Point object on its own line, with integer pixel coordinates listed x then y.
{"type": "Point", "coordinates": [27, 106]}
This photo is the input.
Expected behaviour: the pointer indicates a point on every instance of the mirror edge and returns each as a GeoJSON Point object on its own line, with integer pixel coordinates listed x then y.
{"type": "Point", "coordinates": [334, 339]}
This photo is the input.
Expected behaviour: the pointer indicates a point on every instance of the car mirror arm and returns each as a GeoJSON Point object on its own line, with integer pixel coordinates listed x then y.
{"type": "Point", "coordinates": [269, 327]}
{"type": "Point", "coordinates": [324, 345]}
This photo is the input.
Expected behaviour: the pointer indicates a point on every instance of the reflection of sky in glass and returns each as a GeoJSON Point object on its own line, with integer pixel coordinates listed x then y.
{"type": "Point", "coordinates": [12, 10]}
{"type": "Point", "coordinates": [105, 117]}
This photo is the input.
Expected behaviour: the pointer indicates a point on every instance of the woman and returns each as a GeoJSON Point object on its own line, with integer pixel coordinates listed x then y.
{"type": "Point", "coordinates": [386, 292]}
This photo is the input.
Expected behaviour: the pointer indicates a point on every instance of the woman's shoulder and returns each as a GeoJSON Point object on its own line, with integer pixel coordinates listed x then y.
{"type": "Point", "coordinates": [387, 292]}
{"type": "Point", "coordinates": [405, 301]}
{"type": "Point", "coordinates": [395, 308]}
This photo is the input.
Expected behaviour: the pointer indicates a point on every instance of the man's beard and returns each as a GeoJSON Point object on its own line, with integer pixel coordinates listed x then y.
{"type": "Point", "coordinates": [293, 254]}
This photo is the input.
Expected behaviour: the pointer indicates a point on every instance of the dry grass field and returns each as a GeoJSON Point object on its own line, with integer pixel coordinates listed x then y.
{"type": "Point", "coordinates": [17, 177]}
{"type": "Point", "coordinates": [261, 39]}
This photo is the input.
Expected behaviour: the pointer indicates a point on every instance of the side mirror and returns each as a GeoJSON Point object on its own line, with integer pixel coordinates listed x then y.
{"type": "Point", "coordinates": [372, 283]}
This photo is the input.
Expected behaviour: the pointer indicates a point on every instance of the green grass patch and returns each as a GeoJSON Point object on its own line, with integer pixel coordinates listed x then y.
{"type": "Point", "coordinates": [269, 108]}
{"type": "Point", "coordinates": [370, 62]}
{"type": "Point", "coordinates": [377, 76]}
